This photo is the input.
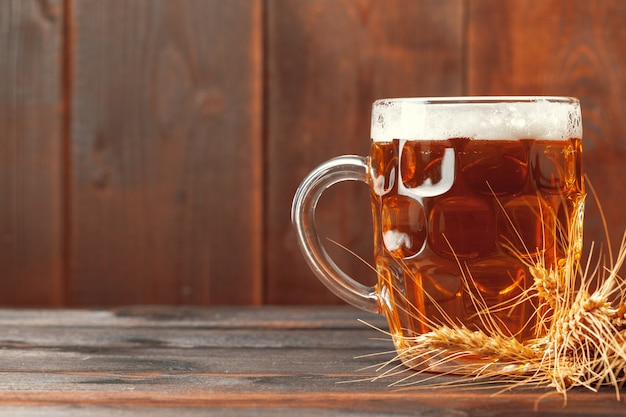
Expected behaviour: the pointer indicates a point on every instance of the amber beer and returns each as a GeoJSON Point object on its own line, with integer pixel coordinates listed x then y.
{"type": "Point", "coordinates": [464, 200]}
{"type": "Point", "coordinates": [468, 194]}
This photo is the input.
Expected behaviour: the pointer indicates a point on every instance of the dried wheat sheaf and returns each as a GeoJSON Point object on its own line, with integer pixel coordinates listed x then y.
{"type": "Point", "coordinates": [583, 342]}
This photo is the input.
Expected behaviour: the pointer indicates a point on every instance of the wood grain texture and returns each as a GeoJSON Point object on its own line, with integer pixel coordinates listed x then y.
{"type": "Point", "coordinates": [327, 61]}
{"type": "Point", "coordinates": [150, 148]}
{"type": "Point", "coordinates": [563, 47]}
{"type": "Point", "coordinates": [166, 152]}
{"type": "Point", "coordinates": [31, 152]}
{"type": "Point", "coordinates": [231, 362]}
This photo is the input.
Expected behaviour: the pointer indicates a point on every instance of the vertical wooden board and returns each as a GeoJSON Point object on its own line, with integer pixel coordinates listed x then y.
{"type": "Point", "coordinates": [166, 151]}
{"type": "Point", "coordinates": [31, 152]}
{"type": "Point", "coordinates": [563, 47]}
{"type": "Point", "coordinates": [327, 60]}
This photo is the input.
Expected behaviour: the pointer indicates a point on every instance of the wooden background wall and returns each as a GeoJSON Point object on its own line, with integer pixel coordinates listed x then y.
{"type": "Point", "coordinates": [149, 149]}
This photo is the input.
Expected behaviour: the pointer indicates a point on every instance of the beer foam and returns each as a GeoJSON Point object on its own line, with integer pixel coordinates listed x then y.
{"type": "Point", "coordinates": [553, 118]}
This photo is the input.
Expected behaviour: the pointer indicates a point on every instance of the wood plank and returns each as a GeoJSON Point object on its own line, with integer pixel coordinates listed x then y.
{"type": "Point", "coordinates": [368, 403]}
{"type": "Point", "coordinates": [326, 62]}
{"type": "Point", "coordinates": [31, 152]}
{"type": "Point", "coordinates": [231, 317]}
{"type": "Point", "coordinates": [563, 47]}
{"type": "Point", "coordinates": [311, 375]}
{"type": "Point", "coordinates": [166, 152]}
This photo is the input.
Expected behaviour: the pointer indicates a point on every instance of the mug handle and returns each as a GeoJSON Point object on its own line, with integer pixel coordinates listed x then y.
{"type": "Point", "coordinates": [341, 168]}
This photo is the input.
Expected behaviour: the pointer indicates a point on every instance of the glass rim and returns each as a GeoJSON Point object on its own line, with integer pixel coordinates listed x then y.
{"type": "Point", "coordinates": [476, 100]}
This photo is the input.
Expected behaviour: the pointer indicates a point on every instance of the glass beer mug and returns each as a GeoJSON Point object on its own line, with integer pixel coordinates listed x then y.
{"type": "Point", "coordinates": [467, 195]}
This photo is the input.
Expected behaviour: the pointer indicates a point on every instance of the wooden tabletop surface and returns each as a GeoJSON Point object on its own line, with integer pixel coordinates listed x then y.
{"type": "Point", "coordinates": [232, 361]}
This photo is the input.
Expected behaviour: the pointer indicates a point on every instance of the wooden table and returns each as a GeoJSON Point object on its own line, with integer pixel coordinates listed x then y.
{"type": "Point", "coordinates": [229, 361]}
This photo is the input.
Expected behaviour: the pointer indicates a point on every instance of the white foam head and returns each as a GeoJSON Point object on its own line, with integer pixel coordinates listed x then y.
{"type": "Point", "coordinates": [555, 118]}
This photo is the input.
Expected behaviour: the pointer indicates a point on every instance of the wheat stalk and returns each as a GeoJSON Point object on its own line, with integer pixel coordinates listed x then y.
{"type": "Point", "coordinates": [581, 340]}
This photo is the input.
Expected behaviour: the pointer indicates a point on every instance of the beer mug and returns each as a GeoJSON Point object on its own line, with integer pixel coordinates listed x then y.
{"type": "Point", "coordinates": [468, 194]}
